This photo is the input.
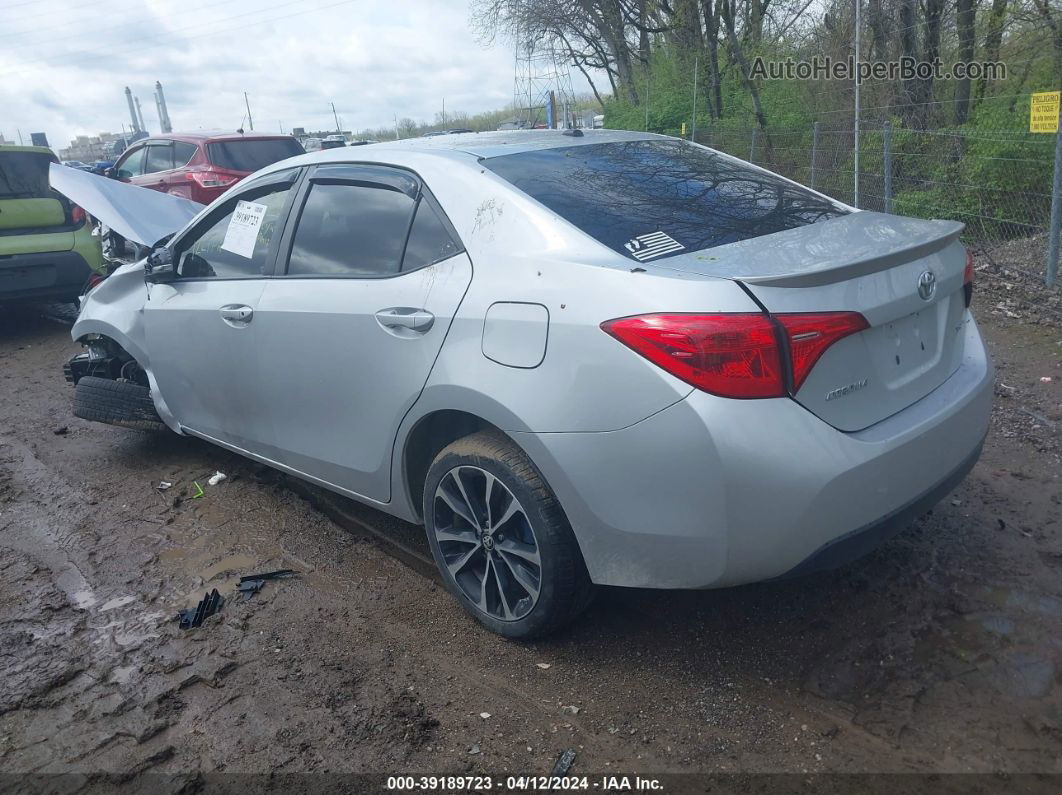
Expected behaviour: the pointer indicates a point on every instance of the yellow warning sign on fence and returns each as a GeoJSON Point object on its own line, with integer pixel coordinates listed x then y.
{"type": "Point", "coordinates": [1043, 112]}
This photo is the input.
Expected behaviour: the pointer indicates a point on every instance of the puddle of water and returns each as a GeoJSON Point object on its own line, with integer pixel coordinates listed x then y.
{"type": "Point", "coordinates": [76, 587]}
{"type": "Point", "coordinates": [125, 634]}
{"type": "Point", "coordinates": [118, 601]}
{"type": "Point", "coordinates": [122, 675]}
{"type": "Point", "coordinates": [241, 564]}
{"type": "Point", "coordinates": [1041, 604]}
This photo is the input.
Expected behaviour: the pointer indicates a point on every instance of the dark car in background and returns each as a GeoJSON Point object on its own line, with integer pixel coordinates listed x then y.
{"type": "Point", "coordinates": [202, 165]}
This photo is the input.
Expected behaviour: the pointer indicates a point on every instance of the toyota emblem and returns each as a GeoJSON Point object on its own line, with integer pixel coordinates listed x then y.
{"type": "Point", "coordinates": [927, 285]}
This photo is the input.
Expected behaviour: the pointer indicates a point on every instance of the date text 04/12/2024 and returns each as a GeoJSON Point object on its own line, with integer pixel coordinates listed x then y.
{"type": "Point", "coordinates": [471, 783]}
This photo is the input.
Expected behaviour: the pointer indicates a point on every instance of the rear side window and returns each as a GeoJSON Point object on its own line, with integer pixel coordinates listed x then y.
{"type": "Point", "coordinates": [252, 154]}
{"type": "Point", "coordinates": [23, 175]}
{"type": "Point", "coordinates": [429, 239]}
{"type": "Point", "coordinates": [182, 153]}
{"type": "Point", "coordinates": [350, 230]}
{"type": "Point", "coordinates": [654, 199]}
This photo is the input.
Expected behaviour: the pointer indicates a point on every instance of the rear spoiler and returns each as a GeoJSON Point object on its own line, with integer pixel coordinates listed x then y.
{"type": "Point", "coordinates": [830, 251]}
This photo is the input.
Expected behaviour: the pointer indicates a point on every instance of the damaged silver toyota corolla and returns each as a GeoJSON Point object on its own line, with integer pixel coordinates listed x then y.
{"type": "Point", "coordinates": [602, 358]}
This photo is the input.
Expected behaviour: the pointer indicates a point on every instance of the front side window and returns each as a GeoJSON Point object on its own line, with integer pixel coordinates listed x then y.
{"type": "Point", "coordinates": [351, 230]}
{"type": "Point", "coordinates": [650, 199]}
{"type": "Point", "coordinates": [159, 158]}
{"type": "Point", "coordinates": [132, 166]}
{"type": "Point", "coordinates": [238, 243]}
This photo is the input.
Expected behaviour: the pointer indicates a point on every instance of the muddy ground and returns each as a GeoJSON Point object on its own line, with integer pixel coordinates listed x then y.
{"type": "Point", "coordinates": [940, 652]}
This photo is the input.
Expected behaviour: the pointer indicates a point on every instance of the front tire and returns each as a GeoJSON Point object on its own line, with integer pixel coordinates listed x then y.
{"type": "Point", "coordinates": [503, 546]}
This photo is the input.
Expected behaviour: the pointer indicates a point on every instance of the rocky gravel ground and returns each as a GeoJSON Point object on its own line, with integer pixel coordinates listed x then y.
{"type": "Point", "coordinates": [939, 653]}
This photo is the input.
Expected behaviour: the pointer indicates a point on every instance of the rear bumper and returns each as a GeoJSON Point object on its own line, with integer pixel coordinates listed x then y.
{"type": "Point", "coordinates": [713, 492]}
{"type": "Point", "coordinates": [864, 540]}
{"type": "Point", "coordinates": [55, 275]}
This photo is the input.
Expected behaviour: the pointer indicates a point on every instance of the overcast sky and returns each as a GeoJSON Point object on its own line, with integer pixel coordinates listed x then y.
{"type": "Point", "coordinates": [64, 65]}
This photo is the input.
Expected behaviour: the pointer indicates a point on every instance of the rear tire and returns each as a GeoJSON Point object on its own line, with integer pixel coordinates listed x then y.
{"type": "Point", "coordinates": [516, 568]}
{"type": "Point", "coordinates": [121, 403]}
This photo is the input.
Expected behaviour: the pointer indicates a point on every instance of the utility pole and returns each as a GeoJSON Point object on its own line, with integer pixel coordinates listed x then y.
{"type": "Point", "coordinates": [19, 136]}
{"type": "Point", "coordinates": [335, 116]}
{"type": "Point", "coordinates": [396, 126]}
{"type": "Point", "coordinates": [855, 182]}
{"type": "Point", "coordinates": [247, 104]}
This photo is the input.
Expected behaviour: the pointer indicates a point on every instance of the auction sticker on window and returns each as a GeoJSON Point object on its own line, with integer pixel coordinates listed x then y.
{"type": "Point", "coordinates": [242, 232]}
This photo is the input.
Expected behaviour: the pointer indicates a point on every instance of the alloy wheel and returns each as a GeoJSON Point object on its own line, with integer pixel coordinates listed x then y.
{"type": "Point", "coordinates": [488, 545]}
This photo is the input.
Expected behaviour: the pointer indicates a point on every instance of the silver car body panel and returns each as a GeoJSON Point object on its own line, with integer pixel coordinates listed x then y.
{"type": "Point", "coordinates": [665, 485]}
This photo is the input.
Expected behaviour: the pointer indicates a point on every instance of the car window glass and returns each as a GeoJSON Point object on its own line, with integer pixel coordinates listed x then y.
{"type": "Point", "coordinates": [159, 158]}
{"type": "Point", "coordinates": [132, 165]}
{"type": "Point", "coordinates": [653, 199]}
{"type": "Point", "coordinates": [429, 240]}
{"type": "Point", "coordinates": [350, 230]}
{"type": "Point", "coordinates": [237, 245]}
{"type": "Point", "coordinates": [182, 153]}
{"type": "Point", "coordinates": [253, 153]}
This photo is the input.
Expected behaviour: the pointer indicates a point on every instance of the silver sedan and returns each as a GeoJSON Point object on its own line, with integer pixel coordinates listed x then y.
{"type": "Point", "coordinates": [577, 358]}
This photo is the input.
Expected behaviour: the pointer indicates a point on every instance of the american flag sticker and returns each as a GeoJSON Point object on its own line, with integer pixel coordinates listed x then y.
{"type": "Point", "coordinates": [653, 244]}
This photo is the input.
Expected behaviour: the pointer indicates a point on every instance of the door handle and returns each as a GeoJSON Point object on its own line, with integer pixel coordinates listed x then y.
{"type": "Point", "coordinates": [236, 314]}
{"type": "Point", "coordinates": [419, 320]}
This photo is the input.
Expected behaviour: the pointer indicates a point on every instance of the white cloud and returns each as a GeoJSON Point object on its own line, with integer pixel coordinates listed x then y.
{"type": "Point", "coordinates": [64, 64]}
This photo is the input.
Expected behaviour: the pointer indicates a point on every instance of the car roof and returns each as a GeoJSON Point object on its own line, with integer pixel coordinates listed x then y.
{"type": "Point", "coordinates": [37, 150]}
{"type": "Point", "coordinates": [213, 135]}
{"type": "Point", "coordinates": [497, 143]}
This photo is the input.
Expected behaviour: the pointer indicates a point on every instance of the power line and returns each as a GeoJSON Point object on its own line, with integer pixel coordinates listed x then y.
{"type": "Point", "coordinates": [80, 34]}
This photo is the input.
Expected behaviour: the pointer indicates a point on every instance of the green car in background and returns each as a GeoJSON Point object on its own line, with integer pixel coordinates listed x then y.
{"type": "Point", "coordinates": [47, 249]}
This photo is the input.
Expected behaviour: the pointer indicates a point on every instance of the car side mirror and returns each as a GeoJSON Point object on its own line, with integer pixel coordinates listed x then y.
{"type": "Point", "coordinates": [159, 267]}
{"type": "Point", "coordinates": [110, 173]}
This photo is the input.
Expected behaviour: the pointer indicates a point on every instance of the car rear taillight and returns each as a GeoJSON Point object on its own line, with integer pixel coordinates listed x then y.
{"type": "Point", "coordinates": [736, 355]}
{"type": "Point", "coordinates": [77, 215]}
{"type": "Point", "coordinates": [732, 355]}
{"type": "Point", "coordinates": [968, 279]}
{"type": "Point", "coordinates": [212, 179]}
{"type": "Point", "coordinates": [809, 335]}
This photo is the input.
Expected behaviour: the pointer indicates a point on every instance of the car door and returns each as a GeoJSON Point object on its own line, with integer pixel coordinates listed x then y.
{"type": "Point", "coordinates": [202, 327]}
{"type": "Point", "coordinates": [370, 276]}
{"type": "Point", "coordinates": [158, 161]}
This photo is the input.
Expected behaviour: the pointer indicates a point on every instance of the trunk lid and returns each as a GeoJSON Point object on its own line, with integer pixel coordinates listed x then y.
{"type": "Point", "coordinates": [869, 263]}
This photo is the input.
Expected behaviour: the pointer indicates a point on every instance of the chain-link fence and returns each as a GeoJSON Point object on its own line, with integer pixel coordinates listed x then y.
{"type": "Point", "coordinates": [996, 180]}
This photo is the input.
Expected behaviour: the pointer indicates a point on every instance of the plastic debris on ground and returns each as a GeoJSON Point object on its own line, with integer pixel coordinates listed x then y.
{"type": "Point", "coordinates": [208, 606]}
{"type": "Point", "coordinates": [216, 478]}
{"type": "Point", "coordinates": [253, 583]}
{"type": "Point", "coordinates": [163, 485]}
{"type": "Point", "coordinates": [564, 763]}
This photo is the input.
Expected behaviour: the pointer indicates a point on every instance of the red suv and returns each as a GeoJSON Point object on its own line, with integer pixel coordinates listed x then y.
{"type": "Point", "coordinates": [200, 166]}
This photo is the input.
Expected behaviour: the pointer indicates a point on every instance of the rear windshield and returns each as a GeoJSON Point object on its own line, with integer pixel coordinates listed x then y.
{"type": "Point", "coordinates": [252, 155]}
{"type": "Point", "coordinates": [23, 175]}
{"type": "Point", "coordinates": [654, 199]}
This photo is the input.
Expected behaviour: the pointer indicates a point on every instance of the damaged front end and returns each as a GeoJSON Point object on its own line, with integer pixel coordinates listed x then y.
{"type": "Point", "coordinates": [103, 358]}
{"type": "Point", "coordinates": [111, 376]}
